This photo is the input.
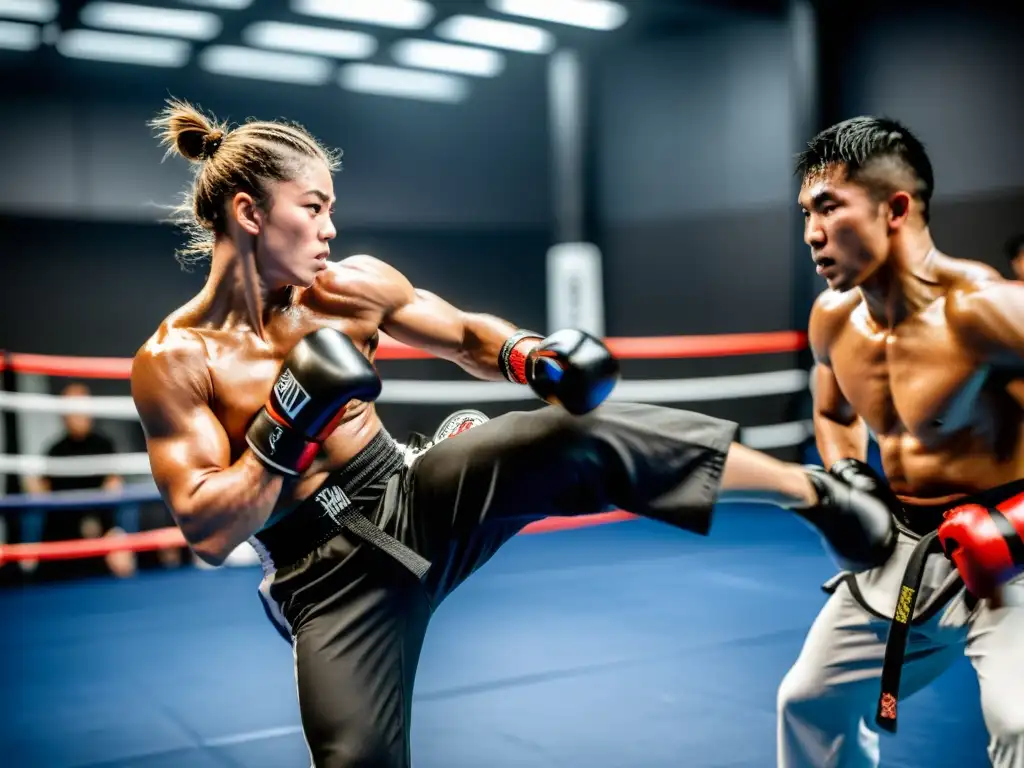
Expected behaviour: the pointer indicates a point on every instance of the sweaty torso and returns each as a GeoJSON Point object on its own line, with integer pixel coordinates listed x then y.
{"type": "Point", "coordinates": [242, 367]}
{"type": "Point", "coordinates": [947, 424]}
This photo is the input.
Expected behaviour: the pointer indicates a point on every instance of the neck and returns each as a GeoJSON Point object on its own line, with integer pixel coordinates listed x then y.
{"type": "Point", "coordinates": [905, 283]}
{"type": "Point", "coordinates": [236, 293]}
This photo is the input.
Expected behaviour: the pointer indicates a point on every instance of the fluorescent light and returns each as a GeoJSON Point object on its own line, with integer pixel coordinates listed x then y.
{"type": "Point", "coordinates": [340, 43]}
{"type": "Point", "coordinates": [194, 25]}
{"type": "Point", "coordinates": [19, 37]}
{"type": "Point", "coordinates": [592, 14]}
{"type": "Point", "coordinates": [124, 49]}
{"type": "Point", "coordinates": [428, 54]}
{"type": "Point", "coordinates": [42, 11]}
{"type": "Point", "coordinates": [403, 14]}
{"type": "Point", "coordinates": [265, 65]}
{"type": "Point", "coordinates": [496, 34]}
{"type": "Point", "coordinates": [228, 5]}
{"type": "Point", "coordinates": [405, 83]}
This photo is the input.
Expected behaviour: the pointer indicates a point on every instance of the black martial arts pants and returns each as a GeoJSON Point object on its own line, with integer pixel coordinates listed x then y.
{"type": "Point", "coordinates": [357, 616]}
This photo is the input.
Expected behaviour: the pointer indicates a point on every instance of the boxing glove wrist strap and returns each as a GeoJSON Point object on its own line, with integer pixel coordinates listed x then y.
{"type": "Point", "coordinates": [279, 447]}
{"type": "Point", "coordinates": [512, 362]}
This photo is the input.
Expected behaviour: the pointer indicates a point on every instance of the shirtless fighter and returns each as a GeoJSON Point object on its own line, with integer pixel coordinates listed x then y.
{"type": "Point", "coordinates": [256, 398]}
{"type": "Point", "coordinates": [926, 352]}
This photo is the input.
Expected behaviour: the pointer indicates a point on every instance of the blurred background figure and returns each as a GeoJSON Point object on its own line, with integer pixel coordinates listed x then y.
{"type": "Point", "coordinates": [80, 438]}
{"type": "Point", "coordinates": [1015, 255]}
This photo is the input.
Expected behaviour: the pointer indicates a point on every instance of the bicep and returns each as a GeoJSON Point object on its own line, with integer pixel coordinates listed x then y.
{"type": "Point", "coordinates": [182, 456]}
{"type": "Point", "coordinates": [426, 321]}
{"type": "Point", "coordinates": [829, 400]}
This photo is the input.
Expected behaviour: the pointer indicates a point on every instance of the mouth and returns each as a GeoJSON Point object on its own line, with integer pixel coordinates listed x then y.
{"type": "Point", "coordinates": [824, 264]}
{"type": "Point", "coordinates": [323, 256]}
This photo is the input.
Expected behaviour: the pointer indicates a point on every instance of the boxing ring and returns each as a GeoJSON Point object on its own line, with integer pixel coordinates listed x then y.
{"type": "Point", "coordinates": [600, 642]}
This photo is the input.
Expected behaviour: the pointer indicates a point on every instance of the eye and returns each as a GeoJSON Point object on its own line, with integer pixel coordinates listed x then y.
{"type": "Point", "coordinates": [315, 207]}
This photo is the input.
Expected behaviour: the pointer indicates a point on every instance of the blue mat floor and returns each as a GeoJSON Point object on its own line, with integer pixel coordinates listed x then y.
{"type": "Point", "coordinates": [629, 645]}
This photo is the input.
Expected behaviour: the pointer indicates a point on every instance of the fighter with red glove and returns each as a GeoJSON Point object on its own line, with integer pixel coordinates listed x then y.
{"type": "Point", "coordinates": [985, 543]}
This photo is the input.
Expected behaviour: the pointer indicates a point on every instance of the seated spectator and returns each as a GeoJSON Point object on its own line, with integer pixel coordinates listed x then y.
{"type": "Point", "coordinates": [81, 438]}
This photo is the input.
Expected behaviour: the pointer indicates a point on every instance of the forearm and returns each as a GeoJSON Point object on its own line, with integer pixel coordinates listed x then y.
{"type": "Point", "coordinates": [227, 506]}
{"type": "Point", "coordinates": [482, 341]}
{"type": "Point", "coordinates": [837, 440]}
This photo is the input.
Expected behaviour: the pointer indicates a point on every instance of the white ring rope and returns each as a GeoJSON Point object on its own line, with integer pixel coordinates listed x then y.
{"type": "Point", "coordinates": [463, 392]}
{"type": "Point", "coordinates": [762, 438]}
{"type": "Point", "coordinates": [416, 393]}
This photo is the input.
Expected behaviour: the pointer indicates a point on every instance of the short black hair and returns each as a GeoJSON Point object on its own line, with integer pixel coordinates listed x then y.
{"type": "Point", "coordinates": [1015, 247]}
{"type": "Point", "coordinates": [862, 141]}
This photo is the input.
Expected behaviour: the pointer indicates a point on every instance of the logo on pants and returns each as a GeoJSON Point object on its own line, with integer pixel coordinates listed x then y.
{"type": "Point", "coordinates": [459, 422]}
{"type": "Point", "coordinates": [333, 501]}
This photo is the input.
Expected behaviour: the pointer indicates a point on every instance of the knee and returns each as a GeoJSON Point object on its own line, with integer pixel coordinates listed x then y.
{"type": "Point", "coordinates": [800, 692]}
{"type": "Point", "coordinates": [1004, 718]}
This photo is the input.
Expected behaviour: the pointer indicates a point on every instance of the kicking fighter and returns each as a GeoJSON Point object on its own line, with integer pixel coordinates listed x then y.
{"type": "Point", "coordinates": [925, 352]}
{"type": "Point", "coordinates": [256, 398]}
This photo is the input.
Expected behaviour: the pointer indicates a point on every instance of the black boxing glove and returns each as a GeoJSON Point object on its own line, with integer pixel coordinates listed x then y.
{"type": "Point", "coordinates": [854, 514]}
{"type": "Point", "coordinates": [861, 476]}
{"type": "Point", "coordinates": [570, 368]}
{"type": "Point", "coordinates": [321, 375]}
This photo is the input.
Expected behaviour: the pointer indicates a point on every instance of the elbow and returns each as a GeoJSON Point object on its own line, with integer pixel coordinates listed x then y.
{"type": "Point", "coordinates": [208, 545]}
{"type": "Point", "coordinates": [211, 555]}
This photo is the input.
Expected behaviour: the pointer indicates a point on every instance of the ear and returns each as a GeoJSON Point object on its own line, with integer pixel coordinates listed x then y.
{"type": "Point", "coordinates": [899, 209]}
{"type": "Point", "coordinates": [247, 213]}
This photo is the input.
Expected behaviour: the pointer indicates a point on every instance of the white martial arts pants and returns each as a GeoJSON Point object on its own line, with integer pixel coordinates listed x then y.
{"type": "Point", "coordinates": [827, 700]}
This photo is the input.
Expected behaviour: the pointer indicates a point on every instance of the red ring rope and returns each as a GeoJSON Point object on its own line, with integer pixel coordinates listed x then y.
{"type": "Point", "coordinates": [169, 538]}
{"type": "Point", "coordinates": [627, 348]}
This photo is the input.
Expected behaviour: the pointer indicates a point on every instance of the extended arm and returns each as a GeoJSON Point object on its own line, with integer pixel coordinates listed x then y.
{"type": "Point", "coordinates": [421, 319]}
{"type": "Point", "coordinates": [217, 504]}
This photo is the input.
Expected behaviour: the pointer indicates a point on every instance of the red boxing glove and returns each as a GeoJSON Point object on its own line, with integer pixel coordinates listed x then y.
{"type": "Point", "coordinates": [985, 543]}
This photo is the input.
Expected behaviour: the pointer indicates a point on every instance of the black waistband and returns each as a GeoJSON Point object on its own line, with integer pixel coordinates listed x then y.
{"type": "Point", "coordinates": [318, 518]}
{"type": "Point", "coordinates": [922, 519]}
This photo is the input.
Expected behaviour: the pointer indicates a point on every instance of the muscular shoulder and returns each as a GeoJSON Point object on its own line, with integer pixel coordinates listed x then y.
{"type": "Point", "coordinates": [170, 368]}
{"type": "Point", "coordinates": [360, 282]}
{"type": "Point", "coordinates": [830, 313]}
{"type": "Point", "coordinates": [985, 308]}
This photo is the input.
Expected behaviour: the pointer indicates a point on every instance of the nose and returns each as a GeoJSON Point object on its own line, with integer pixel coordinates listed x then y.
{"type": "Point", "coordinates": [329, 231]}
{"type": "Point", "coordinates": [814, 235]}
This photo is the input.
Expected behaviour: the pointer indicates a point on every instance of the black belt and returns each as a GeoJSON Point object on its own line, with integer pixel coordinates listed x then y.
{"type": "Point", "coordinates": [338, 504]}
{"type": "Point", "coordinates": [899, 631]}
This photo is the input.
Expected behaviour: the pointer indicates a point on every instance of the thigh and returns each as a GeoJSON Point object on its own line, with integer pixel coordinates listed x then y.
{"type": "Point", "coordinates": [358, 625]}
{"type": "Point", "coordinates": [995, 646]}
{"type": "Point", "coordinates": [842, 656]}
{"type": "Point", "coordinates": [514, 465]}
{"type": "Point", "coordinates": [546, 462]}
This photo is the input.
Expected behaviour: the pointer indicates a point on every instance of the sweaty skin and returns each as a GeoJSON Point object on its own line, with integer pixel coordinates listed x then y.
{"type": "Point", "coordinates": [942, 390]}
{"type": "Point", "coordinates": [202, 377]}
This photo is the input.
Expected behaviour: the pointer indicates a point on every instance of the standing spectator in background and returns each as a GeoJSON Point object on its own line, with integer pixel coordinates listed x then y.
{"type": "Point", "coordinates": [81, 438]}
{"type": "Point", "coordinates": [1015, 254]}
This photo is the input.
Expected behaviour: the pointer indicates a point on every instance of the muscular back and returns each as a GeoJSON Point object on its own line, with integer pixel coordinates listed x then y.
{"type": "Point", "coordinates": [944, 407]}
